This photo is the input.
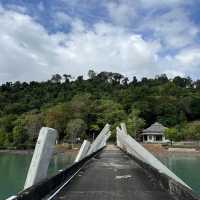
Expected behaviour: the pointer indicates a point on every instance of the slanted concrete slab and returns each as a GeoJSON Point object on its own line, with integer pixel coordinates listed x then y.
{"type": "Point", "coordinates": [41, 157]}
{"type": "Point", "coordinates": [96, 145]}
{"type": "Point", "coordinates": [83, 150]}
{"type": "Point", "coordinates": [131, 146]}
{"type": "Point", "coordinates": [123, 128]}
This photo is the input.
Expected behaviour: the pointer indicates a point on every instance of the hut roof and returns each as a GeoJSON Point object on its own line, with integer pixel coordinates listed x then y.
{"type": "Point", "coordinates": [154, 129]}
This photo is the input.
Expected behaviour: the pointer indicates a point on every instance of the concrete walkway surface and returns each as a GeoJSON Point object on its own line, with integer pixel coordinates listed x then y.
{"type": "Point", "coordinates": [113, 175]}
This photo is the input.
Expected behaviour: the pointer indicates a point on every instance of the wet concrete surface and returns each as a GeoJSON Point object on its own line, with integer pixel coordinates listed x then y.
{"type": "Point", "coordinates": [112, 175]}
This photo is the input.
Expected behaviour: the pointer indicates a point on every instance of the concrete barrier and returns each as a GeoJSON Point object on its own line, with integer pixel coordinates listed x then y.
{"type": "Point", "coordinates": [46, 187]}
{"type": "Point", "coordinates": [11, 198]}
{"type": "Point", "coordinates": [105, 139]}
{"type": "Point", "coordinates": [127, 143]}
{"type": "Point", "coordinates": [177, 190]}
{"type": "Point", "coordinates": [96, 145]}
{"type": "Point", "coordinates": [41, 157]}
{"type": "Point", "coordinates": [123, 128]}
{"type": "Point", "coordinates": [83, 150]}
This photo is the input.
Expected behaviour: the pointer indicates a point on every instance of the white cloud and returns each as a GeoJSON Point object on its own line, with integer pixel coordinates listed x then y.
{"type": "Point", "coordinates": [173, 28]}
{"type": "Point", "coordinates": [122, 13]}
{"type": "Point", "coordinates": [189, 57]}
{"type": "Point", "coordinates": [16, 8]}
{"type": "Point", "coordinates": [41, 6]}
{"type": "Point", "coordinates": [162, 3]}
{"type": "Point", "coordinates": [61, 18]}
{"type": "Point", "coordinates": [110, 48]}
{"type": "Point", "coordinates": [29, 52]}
{"type": "Point", "coordinates": [26, 48]}
{"type": "Point", "coordinates": [184, 63]}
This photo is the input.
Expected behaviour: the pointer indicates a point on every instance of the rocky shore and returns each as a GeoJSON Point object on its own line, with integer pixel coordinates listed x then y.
{"type": "Point", "coordinates": [57, 150]}
{"type": "Point", "coordinates": [19, 152]}
{"type": "Point", "coordinates": [159, 150]}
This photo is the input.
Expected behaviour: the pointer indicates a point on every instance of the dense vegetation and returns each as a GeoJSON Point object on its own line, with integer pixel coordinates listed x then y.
{"type": "Point", "coordinates": [80, 108]}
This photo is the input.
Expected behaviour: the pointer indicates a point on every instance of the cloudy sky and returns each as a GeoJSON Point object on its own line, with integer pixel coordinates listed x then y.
{"type": "Point", "coordinates": [39, 38]}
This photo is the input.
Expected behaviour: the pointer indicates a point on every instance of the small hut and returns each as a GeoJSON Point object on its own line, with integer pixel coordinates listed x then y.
{"type": "Point", "coordinates": [154, 134]}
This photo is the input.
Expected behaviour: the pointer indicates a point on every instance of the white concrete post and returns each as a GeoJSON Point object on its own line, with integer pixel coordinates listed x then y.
{"type": "Point", "coordinates": [123, 128]}
{"type": "Point", "coordinates": [83, 150]}
{"type": "Point", "coordinates": [108, 136]}
{"type": "Point", "coordinates": [118, 140]}
{"type": "Point", "coordinates": [97, 142]}
{"type": "Point", "coordinates": [105, 139]}
{"type": "Point", "coordinates": [41, 157]}
{"type": "Point", "coordinates": [11, 198]}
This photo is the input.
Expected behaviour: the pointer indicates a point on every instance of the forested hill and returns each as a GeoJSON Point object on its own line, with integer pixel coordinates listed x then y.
{"type": "Point", "coordinates": [79, 108]}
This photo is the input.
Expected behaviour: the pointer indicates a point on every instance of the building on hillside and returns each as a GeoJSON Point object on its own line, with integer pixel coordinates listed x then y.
{"type": "Point", "coordinates": [154, 134]}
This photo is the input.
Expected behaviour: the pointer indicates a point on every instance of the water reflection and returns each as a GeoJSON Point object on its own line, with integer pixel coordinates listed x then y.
{"type": "Point", "coordinates": [13, 170]}
{"type": "Point", "coordinates": [187, 167]}
{"type": "Point", "coordinates": [60, 161]}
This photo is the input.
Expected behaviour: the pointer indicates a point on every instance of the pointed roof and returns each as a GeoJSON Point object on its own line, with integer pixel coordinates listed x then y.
{"type": "Point", "coordinates": [154, 129]}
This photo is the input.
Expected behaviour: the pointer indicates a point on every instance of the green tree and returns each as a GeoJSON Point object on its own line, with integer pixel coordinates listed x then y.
{"type": "Point", "coordinates": [134, 123]}
{"type": "Point", "coordinates": [108, 111]}
{"type": "Point", "coordinates": [79, 106]}
{"type": "Point", "coordinates": [6, 123]}
{"type": "Point", "coordinates": [2, 138]}
{"type": "Point", "coordinates": [67, 77]}
{"type": "Point", "coordinates": [56, 78]}
{"type": "Point", "coordinates": [75, 129]}
{"type": "Point", "coordinates": [171, 134]}
{"type": "Point", "coordinates": [91, 74]}
{"type": "Point", "coordinates": [106, 97]}
{"type": "Point", "coordinates": [19, 133]}
{"type": "Point", "coordinates": [32, 125]}
{"type": "Point", "coordinates": [56, 117]}
{"type": "Point", "coordinates": [191, 131]}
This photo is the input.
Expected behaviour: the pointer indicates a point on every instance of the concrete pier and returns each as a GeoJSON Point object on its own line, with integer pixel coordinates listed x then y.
{"type": "Point", "coordinates": [125, 172]}
{"type": "Point", "coordinates": [113, 175]}
{"type": "Point", "coordinates": [83, 150]}
{"type": "Point", "coordinates": [41, 157]}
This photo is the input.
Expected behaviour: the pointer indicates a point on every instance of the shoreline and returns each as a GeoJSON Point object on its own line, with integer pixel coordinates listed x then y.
{"type": "Point", "coordinates": [57, 150]}
{"type": "Point", "coordinates": [18, 152]}
{"type": "Point", "coordinates": [155, 149]}
{"type": "Point", "coordinates": [159, 150]}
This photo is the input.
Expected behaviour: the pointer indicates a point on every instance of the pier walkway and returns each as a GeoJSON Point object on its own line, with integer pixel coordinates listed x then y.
{"type": "Point", "coordinates": [107, 172]}
{"type": "Point", "coordinates": [112, 175]}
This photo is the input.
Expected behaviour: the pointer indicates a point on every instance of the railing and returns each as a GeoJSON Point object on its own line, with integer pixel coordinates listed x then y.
{"type": "Point", "coordinates": [48, 188]}
{"type": "Point", "coordinates": [98, 143]}
{"type": "Point", "coordinates": [167, 179]}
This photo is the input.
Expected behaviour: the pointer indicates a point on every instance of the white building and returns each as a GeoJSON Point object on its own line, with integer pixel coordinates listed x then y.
{"type": "Point", "coordinates": [154, 134]}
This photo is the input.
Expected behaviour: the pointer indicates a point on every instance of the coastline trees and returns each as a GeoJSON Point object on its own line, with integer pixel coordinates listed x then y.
{"type": "Point", "coordinates": [105, 97]}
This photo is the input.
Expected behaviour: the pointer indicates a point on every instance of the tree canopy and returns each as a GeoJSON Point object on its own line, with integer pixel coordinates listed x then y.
{"type": "Point", "coordinates": [83, 106]}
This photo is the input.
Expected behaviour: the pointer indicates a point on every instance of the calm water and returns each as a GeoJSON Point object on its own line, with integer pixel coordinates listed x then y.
{"type": "Point", "coordinates": [13, 170]}
{"type": "Point", "coordinates": [187, 167]}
